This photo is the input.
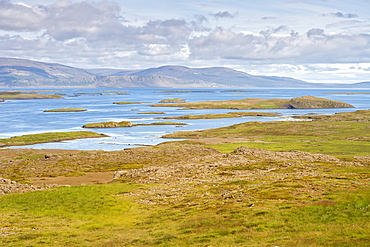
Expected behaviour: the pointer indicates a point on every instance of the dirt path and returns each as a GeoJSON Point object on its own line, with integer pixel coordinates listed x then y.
{"type": "Point", "coordinates": [88, 179]}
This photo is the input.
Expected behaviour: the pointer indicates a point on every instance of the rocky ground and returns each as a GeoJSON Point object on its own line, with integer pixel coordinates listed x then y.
{"type": "Point", "coordinates": [7, 186]}
{"type": "Point", "coordinates": [248, 171]}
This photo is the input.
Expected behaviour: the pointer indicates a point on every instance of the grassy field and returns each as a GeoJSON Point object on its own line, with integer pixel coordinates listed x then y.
{"type": "Point", "coordinates": [191, 193]}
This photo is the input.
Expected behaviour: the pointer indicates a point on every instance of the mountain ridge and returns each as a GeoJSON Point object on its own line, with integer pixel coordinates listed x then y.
{"type": "Point", "coordinates": [27, 73]}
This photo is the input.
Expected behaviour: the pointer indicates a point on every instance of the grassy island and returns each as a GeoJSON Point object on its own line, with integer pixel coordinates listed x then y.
{"type": "Point", "coordinates": [128, 102]}
{"type": "Point", "coordinates": [67, 110]}
{"type": "Point", "coordinates": [47, 137]}
{"type": "Point", "coordinates": [109, 125]}
{"type": "Point", "coordinates": [305, 102]}
{"type": "Point", "coordinates": [23, 95]}
{"type": "Point", "coordinates": [126, 124]}
{"type": "Point", "coordinates": [156, 112]}
{"type": "Point", "coordinates": [226, 115]}
{"type": "Point", "coordinates": [175, 100]}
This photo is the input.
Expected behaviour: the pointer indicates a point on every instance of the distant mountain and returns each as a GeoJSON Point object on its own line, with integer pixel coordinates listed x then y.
{"type": "Point", "coordinates": [27, 73]}
{"type": "Point", "coordinates": [12, 70]}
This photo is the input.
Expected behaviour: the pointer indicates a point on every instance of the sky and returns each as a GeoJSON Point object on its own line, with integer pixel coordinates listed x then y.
{"type": "Point", "coordinates": [325, 41]}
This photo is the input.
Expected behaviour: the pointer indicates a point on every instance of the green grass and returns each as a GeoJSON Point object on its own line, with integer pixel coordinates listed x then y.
{"type": "Point", "coordinates": [341, 135]}
{"type": "Point", "coordinates": [67, 216]}
{"type": "Point", "coordinates": [104, 216]}
{"type": "Point", "coordinates": [48, 137]}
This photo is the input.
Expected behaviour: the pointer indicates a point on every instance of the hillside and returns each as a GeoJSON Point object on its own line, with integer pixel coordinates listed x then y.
{"type": "Point", "coordinates": [13, 70]}
{"type": "Point", "coordinates": [27, 73]}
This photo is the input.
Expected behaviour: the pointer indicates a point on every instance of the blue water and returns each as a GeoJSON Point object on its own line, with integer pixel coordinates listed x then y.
{"type": "Point", "coordinates": [21, 117]}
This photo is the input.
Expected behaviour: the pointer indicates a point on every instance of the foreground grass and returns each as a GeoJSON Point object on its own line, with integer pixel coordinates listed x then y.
{"type": "Point", "coordinates": [47, 137]}
{"type": "Point", "coordinates": [106, 215]}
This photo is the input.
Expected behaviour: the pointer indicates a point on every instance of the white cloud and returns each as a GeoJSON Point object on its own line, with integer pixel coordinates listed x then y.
{"type": "Point", "coordinates": [86, 33]}
{"type": "Point", "coordinates": [313, 46]}
{"type": "Point", "coordinates": [20, 17]}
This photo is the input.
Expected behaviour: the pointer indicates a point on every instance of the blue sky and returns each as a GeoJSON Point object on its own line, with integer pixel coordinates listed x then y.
{"type": "Point", "coordinates": [316, 41]}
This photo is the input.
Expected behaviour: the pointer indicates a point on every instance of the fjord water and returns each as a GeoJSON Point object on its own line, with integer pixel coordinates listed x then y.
{"type": "Point", "coordinates": [21, 117]}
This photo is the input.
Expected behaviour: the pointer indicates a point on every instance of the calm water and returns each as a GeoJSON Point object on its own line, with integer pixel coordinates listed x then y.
{"type": "Point", "coordinates": [20, 117]}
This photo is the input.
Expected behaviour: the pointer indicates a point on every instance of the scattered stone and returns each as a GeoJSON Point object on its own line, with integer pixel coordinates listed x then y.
{"type": "Point", "coordinates": [7, 186]}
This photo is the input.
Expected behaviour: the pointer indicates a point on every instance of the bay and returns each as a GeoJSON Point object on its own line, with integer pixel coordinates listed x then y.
{"type": "Point", "coordinates": [21, 117]}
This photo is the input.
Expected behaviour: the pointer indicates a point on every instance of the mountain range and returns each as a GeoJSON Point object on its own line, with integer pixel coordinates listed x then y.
{"type": "Point", "coordinates": [26, 73]}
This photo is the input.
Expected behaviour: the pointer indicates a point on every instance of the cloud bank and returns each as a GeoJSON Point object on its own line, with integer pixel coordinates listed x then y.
{"type": "Point", "coordinates": [97, 34]}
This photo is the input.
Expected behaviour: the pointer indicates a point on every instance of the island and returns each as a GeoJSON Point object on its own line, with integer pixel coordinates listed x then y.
{"type": "Point", "coordinates": [225, 115]}
{"type": "Point", "coordinates": [126, 124]}
{"type": "Point", "coordinates": [23, 95]}
{"type": "Point", "coordinates": [175, 100]}
{"type": "Point", "coordinates": [155, 112]}
{"type": "Point", "coordinates": [128, 102]}
{"type": "Point", "coordinates": [304, 102]}
{"type": "Point", "coordinates": [66, 110]}
{"type": "Point", "coordinates": [47, 137]}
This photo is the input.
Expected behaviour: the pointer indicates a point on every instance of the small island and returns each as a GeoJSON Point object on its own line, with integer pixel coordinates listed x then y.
{"type": "Point", "coordinates": [155, 112]}
{"type": "Point", "coordinates": [126, 124]}
{"type": "Point", "coordinates": [225, 115]}
{"type": "Point", "coordinates": [128, 102]}
{"type": "Point", "coordinates": [175, 100]}
{"type": "Point", "coordinates": [32, 95]}
{"type": "Point", "coordinates": [67, 110]}
{"type": "Point", "coordinates": [305, 102]}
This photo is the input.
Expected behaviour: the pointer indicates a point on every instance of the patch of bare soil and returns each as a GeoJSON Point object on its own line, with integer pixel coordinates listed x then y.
{"type": "Point", "coordinates": [88, 179]}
